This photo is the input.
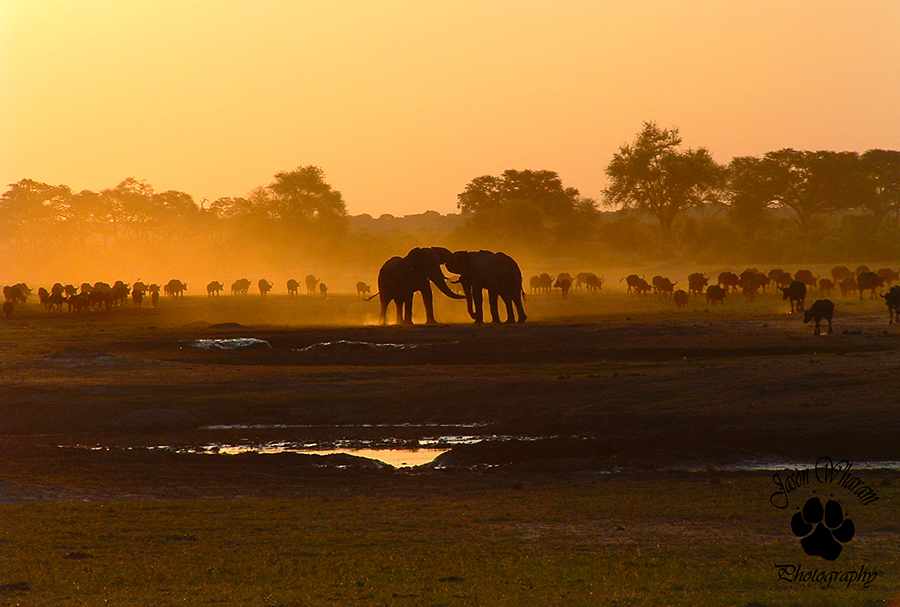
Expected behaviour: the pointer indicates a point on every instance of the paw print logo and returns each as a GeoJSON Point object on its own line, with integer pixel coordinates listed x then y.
{"type": "Point", "coordinates": [823, 530]}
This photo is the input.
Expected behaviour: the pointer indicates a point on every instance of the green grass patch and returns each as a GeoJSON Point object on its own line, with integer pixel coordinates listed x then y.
{"type": "Point", "coordinates": [690, 539]}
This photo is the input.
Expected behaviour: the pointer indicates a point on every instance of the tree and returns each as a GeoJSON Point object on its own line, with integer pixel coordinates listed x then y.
{"type": "Point", "coordinates": [302, 199]}
{"type": "Point", "coordinates": [748, 192]}
{"type": "Point", "coordinates": [882, 169]}
{"type": "Point", "coordinates": [31, 211]}
{"type": "Point", "coordinates": [526, 206]}
{"type": "Point", "coordinates": [652, 176]}
{"type": "Point", "coordinates": [176, 215]}
{"type": "Point", "coordinates": [814, 183]}
{"type": "Point", "coordinates": [130, 206]}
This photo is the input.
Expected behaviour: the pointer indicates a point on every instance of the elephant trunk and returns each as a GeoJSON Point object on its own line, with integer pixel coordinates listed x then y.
{"type": "Point", "coordinates": [441, 281]}
{"type": "Point", "coordinates": [469, 304]}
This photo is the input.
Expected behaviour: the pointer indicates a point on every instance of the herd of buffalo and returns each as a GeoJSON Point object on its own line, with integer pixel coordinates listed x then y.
{"type": "Point", "coordinates": [751, 282]}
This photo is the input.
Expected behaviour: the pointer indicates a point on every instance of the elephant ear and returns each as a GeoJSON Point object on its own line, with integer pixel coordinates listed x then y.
{"type": "Point", "coordinates": [459, 263]}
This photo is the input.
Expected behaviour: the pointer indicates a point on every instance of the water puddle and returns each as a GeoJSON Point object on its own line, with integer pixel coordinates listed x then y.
{"type": "Point", "coordinates": [398, 458]}
{"type": "Point", "coordinates": [283, 426]}
{"type": "Point", "coordinates": [344, 345]}
{"type": "Point", "coordinates": [229, 344]}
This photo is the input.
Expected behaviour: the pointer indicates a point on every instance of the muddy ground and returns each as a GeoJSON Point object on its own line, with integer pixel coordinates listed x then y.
{"type": "Point", "coordinates": [87, 401]}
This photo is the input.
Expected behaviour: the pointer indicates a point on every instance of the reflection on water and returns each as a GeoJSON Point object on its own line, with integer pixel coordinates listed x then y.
{"type": "Point", "coordinates": [229, 344]}
{"type": "Point", "coordinates": [280, 426]}
{"type": "Point", "coordinates": [344, 344]}
{"type": "Point", "coordinates": [398, 458]}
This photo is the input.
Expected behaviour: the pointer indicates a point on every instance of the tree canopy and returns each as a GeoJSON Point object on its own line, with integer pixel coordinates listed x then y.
{"type": "Point", "coordinates": [527, 206]}
{"type": "Point", "coordinates": [651, 175]}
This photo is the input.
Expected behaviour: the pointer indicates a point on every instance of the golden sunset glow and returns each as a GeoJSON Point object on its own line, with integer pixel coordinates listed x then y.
{"type": "Point", "coordinates": [402, 103]}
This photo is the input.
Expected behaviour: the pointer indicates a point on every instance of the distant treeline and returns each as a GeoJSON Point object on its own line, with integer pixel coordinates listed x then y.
{"type": "Point", "coordinates": [662, 203]}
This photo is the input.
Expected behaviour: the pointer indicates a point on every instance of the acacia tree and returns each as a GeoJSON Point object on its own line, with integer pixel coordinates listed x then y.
{"type": "Point", "coordinates": [814, 183]}
{"type": "Point", "coordinates": [651, 175]}
{"type": "Point", "coordinates": [302, 199]}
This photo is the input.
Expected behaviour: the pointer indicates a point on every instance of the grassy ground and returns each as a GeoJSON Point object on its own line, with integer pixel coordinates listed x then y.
{"type": "Point", "coordinates": [132, 527]}
{"type": "Point", "coordinates": [689, 539]}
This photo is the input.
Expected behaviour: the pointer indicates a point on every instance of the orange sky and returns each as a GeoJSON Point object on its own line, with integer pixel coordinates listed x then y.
{"type": "Point", "coordinates": [403, 102]}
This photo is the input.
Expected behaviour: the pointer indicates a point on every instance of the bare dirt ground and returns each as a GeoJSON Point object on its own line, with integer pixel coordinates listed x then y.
{"type": "Point", "coordinates": [603, 383]}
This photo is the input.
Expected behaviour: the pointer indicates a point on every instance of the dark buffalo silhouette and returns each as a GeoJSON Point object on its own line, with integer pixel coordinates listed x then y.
{"type": "Point", "coordinates": [546, 283]}
{"type": "Point", "coordinates": [563, 283]}
{"type": "Point", "coordinates": [716, 295]}
{"type": "Point", "coordinates": [174, 288]}
{"type": "Point", "coordinates": [796, 293]}
{"type": "Point", "coordinates": [264, 286]}
{"type": "Point", "coordinates": [240, 286]}
{"type": "Point", "coordinates": [311, 282]}
{"type": "Point", "coordinates": [697, 283]}
{"type": "Point", "coordinates": [214, 288]}
{"type": "Point", "coordinates": [81, 302]}
{"type": "Point", "coordinates": [826, 286]}
{"type": "Point", "coordinates": [120, 293]}
{"type": "Point", "coordinates": [751, 284]}
{"type": "Point", "coordinates": [892, 299]}
{"type": "Point", "coordinates": [729, 280]}
{"type": "Point", "coordinates": [663, 286]}
{"type": "Point", "coordinates": [806, 277]}
{"type": "Point", "coordinates": [323, 289]}
{"type": "Point", "coordinates": [822, 309]}
{"type": "Point", "coordinates": [839, 273]}
{"type": "Point", "coordinates": [869, 281]}
{"type": "Point", "coordinates": [888, 275]}
{"type": "Point", "coordinates": [633, 281]}
{"type": "Point", "coordinates": [293, 288]}
{"type": "Point", "coordinates": [43, 296]}
{"type": "Point", "coordinates": [8, 308]}
{"type": "Point", "coordinates": [13, 293]}
{"type": "Point", "coordinates": [847, 286]}
{"type": "Point", "coordinates": [153, 289]}
{"type": "Point", "coordinates": [586, 279]}
{"type": "Point", "coordinates": [594, 283]}
{"type": "Point", "coordinates": [680, 297]}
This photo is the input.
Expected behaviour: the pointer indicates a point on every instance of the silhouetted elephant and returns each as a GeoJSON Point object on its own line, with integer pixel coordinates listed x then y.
{"type": "Point", "coordinates": [498, 273]}
{"type": "Point", "coordinates": [311, 282]}
{"type": "Point", "coordinates": [400, 278]}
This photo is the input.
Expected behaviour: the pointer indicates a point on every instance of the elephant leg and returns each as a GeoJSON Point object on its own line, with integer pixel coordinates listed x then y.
{"type": "Point", "coordinates": [510, 314]}
{"type": "Point", "coordinates": [478, 303]}
{"type": "Point", "coordinates": [406, 318]}
{"type": "Point", "coordinates": [428, 302]}
{"type": "Point", "coordinates": [520, 308]}
{"type": "Point", "coordinates": [384, 307]}
{"type": "Point", "coordinates": [495, 312]}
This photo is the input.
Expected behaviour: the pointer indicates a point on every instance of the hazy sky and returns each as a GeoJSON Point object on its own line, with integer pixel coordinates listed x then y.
{"type": "Point", "coordinates": [403, 102]}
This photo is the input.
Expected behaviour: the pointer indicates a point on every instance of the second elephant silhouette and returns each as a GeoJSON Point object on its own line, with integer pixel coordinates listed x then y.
{"type": "Point", "coordinates": [498, 273]}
